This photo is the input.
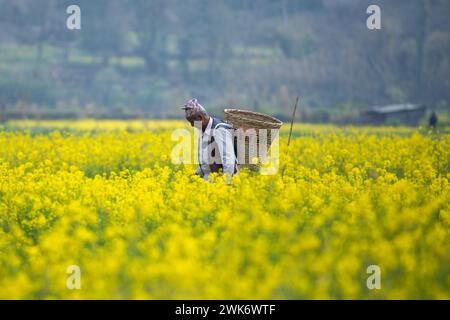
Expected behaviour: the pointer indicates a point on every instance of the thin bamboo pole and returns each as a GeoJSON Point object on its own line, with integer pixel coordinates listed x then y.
{"type": "Point", "coordinates": [290, 132]}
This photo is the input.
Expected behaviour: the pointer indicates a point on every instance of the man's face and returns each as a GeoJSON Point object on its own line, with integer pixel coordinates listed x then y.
{"type": "Point", "coordinates": [192, 121]}
{"type": "Point", "coordinates": [203, 119]}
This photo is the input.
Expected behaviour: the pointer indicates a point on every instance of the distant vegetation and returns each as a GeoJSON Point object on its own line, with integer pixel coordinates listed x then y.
{"type": "Point", "coordinates": [140, 58]}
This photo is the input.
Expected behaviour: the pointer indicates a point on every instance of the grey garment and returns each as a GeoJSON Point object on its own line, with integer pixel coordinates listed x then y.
{"type": "Point", "coordinates": [216, 149]}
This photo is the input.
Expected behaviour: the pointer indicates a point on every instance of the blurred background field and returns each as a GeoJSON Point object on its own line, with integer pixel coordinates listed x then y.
{"type": "Point", "coordinates": [104, 195]}
{"type": "Point", "coordinates": [140, 59]}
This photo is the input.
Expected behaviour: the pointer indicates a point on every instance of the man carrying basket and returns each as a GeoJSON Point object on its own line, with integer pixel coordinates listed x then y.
{"type": "Point", "coordinates": [216, 136]}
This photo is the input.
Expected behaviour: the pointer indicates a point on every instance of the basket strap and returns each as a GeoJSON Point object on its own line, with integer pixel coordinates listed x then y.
{"type": "Point", "coordinates": [223, 125]}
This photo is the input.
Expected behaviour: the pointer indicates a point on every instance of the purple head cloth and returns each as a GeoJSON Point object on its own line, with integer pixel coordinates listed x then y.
{"type": "Point", "coordinates": [193, 108]}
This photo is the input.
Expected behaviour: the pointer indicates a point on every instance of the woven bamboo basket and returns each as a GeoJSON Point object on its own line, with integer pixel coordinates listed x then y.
{"type": "Point", "coordinates": [250, 122]}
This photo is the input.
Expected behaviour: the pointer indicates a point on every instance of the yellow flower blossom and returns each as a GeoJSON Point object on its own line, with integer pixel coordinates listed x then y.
{"type": "Point", "coordinates": [105, 196]}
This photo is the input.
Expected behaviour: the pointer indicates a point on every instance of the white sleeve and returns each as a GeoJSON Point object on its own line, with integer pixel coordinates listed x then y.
{"type": "Point", "coordinates": [203, 170]}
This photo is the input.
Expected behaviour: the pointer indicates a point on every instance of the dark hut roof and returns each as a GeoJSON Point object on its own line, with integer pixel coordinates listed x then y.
{"type": "Point", "coordinates": [394, 108]}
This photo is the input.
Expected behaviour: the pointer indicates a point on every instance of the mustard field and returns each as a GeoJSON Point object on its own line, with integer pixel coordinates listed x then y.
{"type": "Point", "coordinates": [105, 196]}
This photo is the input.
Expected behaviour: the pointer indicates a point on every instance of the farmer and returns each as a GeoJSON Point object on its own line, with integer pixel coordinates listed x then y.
{"type": "Point", "coordinates": [216, 137]}
{"type": "Point", "coordinates": [433, 120]}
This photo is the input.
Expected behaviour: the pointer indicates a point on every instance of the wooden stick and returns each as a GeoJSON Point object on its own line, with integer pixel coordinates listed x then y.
{"type": "Point", "coordinates": [292, 121]}
{"type": "Point", "coordinates": [290, 133]}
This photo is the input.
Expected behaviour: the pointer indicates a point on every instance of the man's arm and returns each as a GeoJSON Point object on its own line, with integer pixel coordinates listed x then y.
{"type": "Point", "coordinates": [203, 171]}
